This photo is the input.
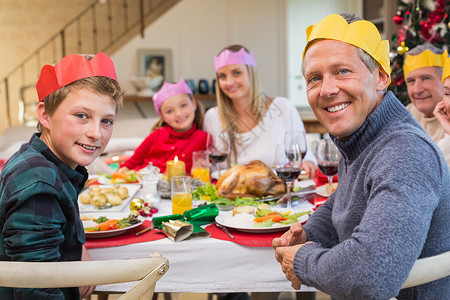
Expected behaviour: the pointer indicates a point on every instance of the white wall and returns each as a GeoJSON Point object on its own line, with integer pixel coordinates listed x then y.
{"type": "Point", "coordinates": [196, 30]}
{"type": "Point", "coordinates": [301, 14]}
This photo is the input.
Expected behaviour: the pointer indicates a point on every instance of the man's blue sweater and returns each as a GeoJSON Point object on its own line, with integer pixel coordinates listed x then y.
{"type": "Point", "coordinates": [392, 207]}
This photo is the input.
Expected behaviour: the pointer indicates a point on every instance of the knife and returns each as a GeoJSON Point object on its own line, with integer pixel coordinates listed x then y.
{"type": "Point", "coordinates": [295, 202]}
{"type": "Point", "coordinates": [304, 192]}
{"type": "Point", "coordinates": [225, 230]}
{"type": "Point", "coordinates": [143, 231]}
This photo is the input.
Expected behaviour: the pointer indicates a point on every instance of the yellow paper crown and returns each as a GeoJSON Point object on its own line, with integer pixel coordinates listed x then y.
{"type": "Point", "coordinates": [446, 72]}
{"type": "Point", "coordinates": [362, 34]}
{"type": "Point", "coordinates": [422, 60]}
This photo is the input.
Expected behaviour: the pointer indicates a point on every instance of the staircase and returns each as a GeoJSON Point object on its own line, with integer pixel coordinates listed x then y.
{"type": "Point", "coordinates": [105, 25]}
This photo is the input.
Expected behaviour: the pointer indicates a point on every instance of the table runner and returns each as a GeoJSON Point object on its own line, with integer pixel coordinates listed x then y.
{"type": "Point", "coordinates": [127, 238]}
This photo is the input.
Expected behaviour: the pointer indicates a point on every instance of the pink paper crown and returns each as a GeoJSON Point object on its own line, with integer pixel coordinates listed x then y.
{"type": "Point", "coordinates": [71, 68]}
{"type": "Point", "coordinates": [169, 90]}
{"type": "Point", "coordinates": [227, 57]}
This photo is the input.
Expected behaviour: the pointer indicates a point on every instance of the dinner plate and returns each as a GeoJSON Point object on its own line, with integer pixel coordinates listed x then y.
{"type": "Point", "coordinates": [113, 232]}
{"type": "Point", "coordinates": [132, 190]}
{"type": "Point", "coordinates": [102, 179]}
{"type": "Point", "coordinates": [214, 174]}
{"type": "Point", "coordinates": [322, 191]}
{"type": "Point", "coordinates": [224, 219]}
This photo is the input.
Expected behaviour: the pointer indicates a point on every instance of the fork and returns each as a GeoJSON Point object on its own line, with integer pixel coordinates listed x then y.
{"type": "Point", "coordinates": [225, 230]}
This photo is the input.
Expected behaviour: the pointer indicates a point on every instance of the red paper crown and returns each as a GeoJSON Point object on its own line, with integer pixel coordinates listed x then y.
{"type": "Point", "coordinates": [71, 68]}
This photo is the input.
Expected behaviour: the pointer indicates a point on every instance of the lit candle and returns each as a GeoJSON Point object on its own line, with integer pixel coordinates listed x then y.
{"type": "Point", "coordinates": [175, 168]}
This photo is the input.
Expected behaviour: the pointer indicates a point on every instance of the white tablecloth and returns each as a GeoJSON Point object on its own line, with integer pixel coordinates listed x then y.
{"type": "Point", "coordinates": [204, 265]}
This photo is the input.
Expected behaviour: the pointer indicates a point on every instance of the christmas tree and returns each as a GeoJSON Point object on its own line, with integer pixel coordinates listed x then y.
{"type": "Point", "coordinates": [420, 21]}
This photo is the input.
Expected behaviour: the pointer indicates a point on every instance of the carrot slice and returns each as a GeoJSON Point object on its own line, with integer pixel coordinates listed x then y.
{"type": "Point", "coordinates": [278, 218]}
{"type": "Point", "coordinates": [275, 218]}
{"type": "Point", "coordinates": [262, 219]}
{"type": "Point", "coordinates": [108, 225]}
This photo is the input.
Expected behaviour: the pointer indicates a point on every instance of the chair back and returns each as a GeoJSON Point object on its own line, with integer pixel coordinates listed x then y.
{"type": "Point", "coordinates": [428, 269]}
{"type": "Point", "coordinates": [86, 273]}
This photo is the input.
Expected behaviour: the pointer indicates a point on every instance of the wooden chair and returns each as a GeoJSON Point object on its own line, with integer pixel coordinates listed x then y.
{"type": "Point", "coordinates": [85, 273]}
{"type": "Point", "coordinates": [428, 269]}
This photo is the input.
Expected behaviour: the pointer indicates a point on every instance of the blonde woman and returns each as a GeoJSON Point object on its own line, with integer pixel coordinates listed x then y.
{"type": "Point", "coordinates": [255, 122]}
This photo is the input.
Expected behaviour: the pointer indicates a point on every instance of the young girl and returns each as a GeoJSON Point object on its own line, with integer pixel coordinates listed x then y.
{"type": "Point", "coordinates": [177, 133]}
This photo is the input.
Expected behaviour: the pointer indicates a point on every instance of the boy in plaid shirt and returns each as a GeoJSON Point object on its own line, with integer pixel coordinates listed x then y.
{"type": "Point", "coordinates": [39, 218]}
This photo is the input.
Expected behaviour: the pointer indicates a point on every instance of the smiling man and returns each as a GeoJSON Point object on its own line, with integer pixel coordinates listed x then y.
{"type": "Point", "coordinates": [422, 69]}
{"type": "Point", "coordinates": [393, 200]}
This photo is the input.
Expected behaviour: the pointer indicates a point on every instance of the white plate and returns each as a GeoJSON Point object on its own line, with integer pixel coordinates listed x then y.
{"type": "Point", "coordinates": [322, 191]}
{"type": "Point", "coordinates": [224, 219]}
{"type": "Point", "coordinates": [109, 233]}
{"type": "Point", "coordinates": [132, 190]}
{"type": "Point", "coordinates": [214, 174]}
{"type": "Point", "coordinates": [105, 180]}
{"type": "Point", "coordinates": [303, 183]}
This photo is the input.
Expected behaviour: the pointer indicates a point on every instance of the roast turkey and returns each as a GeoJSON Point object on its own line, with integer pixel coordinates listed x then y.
{"type": "Point", "coordinates": [254, 179]}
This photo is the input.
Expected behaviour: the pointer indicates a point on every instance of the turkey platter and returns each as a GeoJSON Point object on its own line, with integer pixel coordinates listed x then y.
{"type": "Point", "coordinates": [254, 179]}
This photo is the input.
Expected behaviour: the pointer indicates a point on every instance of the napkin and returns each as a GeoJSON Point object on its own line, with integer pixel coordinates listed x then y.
{"type": "Point", "coordinates": [244, 238]}
{"type": "Point", "coordinates": [129, 237]}
{"type": "Point", "coordinates": [172, 224]}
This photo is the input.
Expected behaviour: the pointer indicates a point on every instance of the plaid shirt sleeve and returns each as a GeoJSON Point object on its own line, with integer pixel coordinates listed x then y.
{"type": "Point", "coordinates": [34, 231]}
{"type": "Point", "coordinates": [39, 217]}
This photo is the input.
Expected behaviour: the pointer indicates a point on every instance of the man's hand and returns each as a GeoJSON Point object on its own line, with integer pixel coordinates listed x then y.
{"type": "Point", "coordinates": [443, 116]}
{"type": "Point", "coordinates": [286, 247]}
{"type": "Point", "coordinates": [294, 236]}
{"type": "Point", "coordinates": [286, 255]}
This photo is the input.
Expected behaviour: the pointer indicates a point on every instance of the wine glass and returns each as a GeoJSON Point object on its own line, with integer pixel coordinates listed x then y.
{"type": "Point", "coordinates": [294, 139]}
{"type": "Point", "coordinates": [288, 165]}
{"type": "Point", "coordinates": [328, 156]}
{"type": "Point", "coordinates": [218, 149]}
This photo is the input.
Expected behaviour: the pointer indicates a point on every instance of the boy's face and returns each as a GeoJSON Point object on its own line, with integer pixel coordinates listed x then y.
{"type": "Point", "coordinates": [80, 128]}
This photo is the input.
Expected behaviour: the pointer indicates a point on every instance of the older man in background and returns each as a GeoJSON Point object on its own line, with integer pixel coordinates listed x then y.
{"type": "Point", "coordinates": [422, 69]}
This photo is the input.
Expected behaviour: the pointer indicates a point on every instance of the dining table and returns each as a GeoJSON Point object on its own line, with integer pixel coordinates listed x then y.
{"type": "Point", "coordinates": [214, 264]}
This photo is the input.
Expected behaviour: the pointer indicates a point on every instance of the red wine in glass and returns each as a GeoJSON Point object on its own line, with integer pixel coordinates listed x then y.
{"type": "Point", "coordinates": [303, 154]}
{"type": "Point", "coordinates": [218, 157]}
{"type": "Point", "coordinates": [328, 156]}
{"type": "Point", "coordinates": [289, 165]}
{"type": "Point", "coordinates": [288, 174]}
{"type": "Point", "coordinates": [218, 149]}
{"type": "Point", "coordinates": [329, 168]}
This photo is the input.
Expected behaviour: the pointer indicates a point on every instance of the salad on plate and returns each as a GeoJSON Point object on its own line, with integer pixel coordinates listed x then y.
{"type": "Point", "coordinates": [261, 218]}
